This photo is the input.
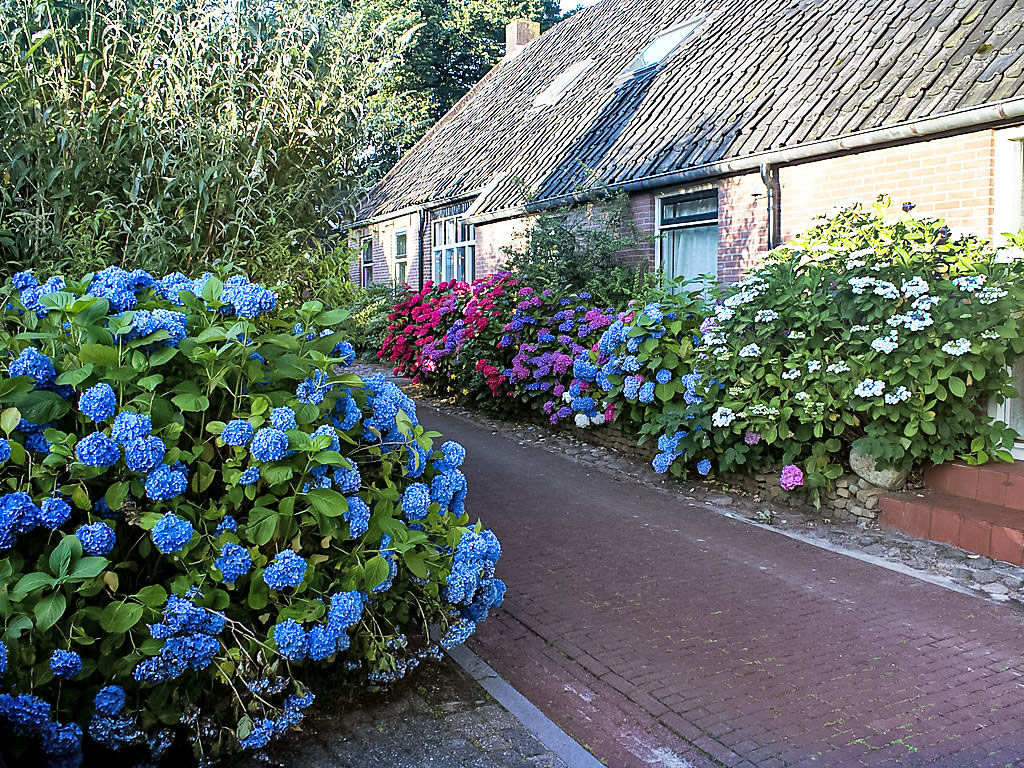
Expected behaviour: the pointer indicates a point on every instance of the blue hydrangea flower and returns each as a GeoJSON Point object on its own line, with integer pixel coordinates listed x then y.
{"type": "Point", "coordinates": [54, 512]}
{"type": "Point", "coordinates": [348, 480]}
{"type": "Point", "coordinates": [227, 525]}
{"type": "Point", "coordinates": [237, 432]}
{"type": "Point", "coordinates": [283, 418]}
{"type": "Point", "coordinates": [109, 700]}
{"type": "Point", "coordinates": [314, 389]}
{"type": "Point", "coordinates": [5, 450]}
{"type": "Point", "coordinates": [147, 322]}
{"type": "Point", "coordinates": [646, 392]}
{"type": "Point", "coordinates": [358, 516]}
{"type": "Point", "coordinates": [234, 562]}
{"type": "Point", "coordinates": [3, 659]}
{"type": "Point", "coordinates": [290, 639]}
{"type": "Point", "coordinates": [171, 533]}
{"type": "Point", "coordinates": [287, 570]}
{"type": "Point", "coordinates": [34, 364]}
{"type": "Point", "coordinates": [245, 298]}
{"type": "Point", "coordinates": [98, 402]}
{"type": "Point", "coordinates": [144, 454]}
{"type": "Point", "coordinates": [416, 501]}
{"type": "Point", "coordinates": [96, 538]}
{"type": "Point", "coordinates": [165, 482]}
{"type": "Point", "coordinates": [269, 444]}
{"type": "Point", "coordinates": [97, 450]}
{"type": "Point", "coordinates": [62, 743]}
{"type": "Point", "coordinates": [345, 351]}
{"type": "Point", "coordinates": [260, 735]}
{"type": "Point", "coordinates": [328, 431]}
{"type": "Point", "coordinates": [65, 664]}
{"type": "Point", "coordinates": [129, 426]}
{"type": "Point", "coordinates": [116, 286]}
{"type": "Point", "coordinates": [250, 476]}
{"type": "Point", "coordinates": [703, 466]}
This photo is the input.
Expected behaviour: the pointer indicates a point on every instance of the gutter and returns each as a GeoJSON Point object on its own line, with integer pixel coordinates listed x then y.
{"type": "Point", "coordinates": [978, 117]}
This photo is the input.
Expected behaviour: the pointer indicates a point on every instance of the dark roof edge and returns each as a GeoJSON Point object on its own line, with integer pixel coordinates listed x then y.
{"type": "Point", "coordinates": [988, 116]}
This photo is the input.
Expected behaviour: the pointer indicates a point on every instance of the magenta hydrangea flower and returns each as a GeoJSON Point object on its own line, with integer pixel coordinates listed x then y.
{"type": "Point", "coordinates": [791, 477]}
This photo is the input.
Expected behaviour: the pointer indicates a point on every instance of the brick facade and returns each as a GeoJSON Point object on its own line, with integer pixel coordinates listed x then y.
{"type": "Point", "coordinates": [950, 178]}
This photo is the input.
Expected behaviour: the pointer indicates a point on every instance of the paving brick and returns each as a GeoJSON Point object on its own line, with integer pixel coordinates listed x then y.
{"type": "Point", "coordinates": [760, 649]}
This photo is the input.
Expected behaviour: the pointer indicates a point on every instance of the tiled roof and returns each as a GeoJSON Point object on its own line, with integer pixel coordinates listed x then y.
{"type": "Point", "coordinates": [757, 75]}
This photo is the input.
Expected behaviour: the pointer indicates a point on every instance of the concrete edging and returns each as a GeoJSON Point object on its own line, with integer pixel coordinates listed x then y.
{"type": "Point", "coordinates": [535, 721]}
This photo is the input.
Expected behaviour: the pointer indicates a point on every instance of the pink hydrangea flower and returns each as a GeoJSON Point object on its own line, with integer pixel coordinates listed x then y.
{"type": "Point", "coordinates": [791, 477]}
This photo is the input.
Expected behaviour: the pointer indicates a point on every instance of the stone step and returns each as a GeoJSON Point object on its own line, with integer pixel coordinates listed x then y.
{"type": "Point", "coordinates": [992, 530]}
{"type": "Point", "coordinates": [996, 483]}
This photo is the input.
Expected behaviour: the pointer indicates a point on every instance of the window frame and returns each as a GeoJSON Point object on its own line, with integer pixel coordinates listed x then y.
{"type": "Point", "coordinates": [445, 256]}
{"type": "Point", "coordinates": [692, 221]}
{"type": "Point", "coordinates": [403, 260]}
{"type": "Point", "coordinates": [366, 261]}
{"type": "Point", "coordinates": [637, 66]}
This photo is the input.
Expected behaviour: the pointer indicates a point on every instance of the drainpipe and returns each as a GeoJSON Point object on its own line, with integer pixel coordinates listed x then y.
{"type": "Point", "coordinates": [420, 222]}
{"type": "Point", "coordinates": [770, 178]}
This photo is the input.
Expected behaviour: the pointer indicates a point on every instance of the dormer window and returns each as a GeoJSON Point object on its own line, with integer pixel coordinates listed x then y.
{"type": "Point", "coordinates": [661, 46]}
{"type": "Point", "coordinates": [561, 84]}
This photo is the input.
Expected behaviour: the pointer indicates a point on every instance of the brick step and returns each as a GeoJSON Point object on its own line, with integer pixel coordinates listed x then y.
{"type": "Point", "coordinates": [992, 530]}
{"type": "Point", "coordinates": [993, 483]}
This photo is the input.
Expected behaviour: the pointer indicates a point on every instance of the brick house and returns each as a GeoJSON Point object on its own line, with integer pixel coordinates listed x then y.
{"type": "Point", "coordinates": [730, 124]}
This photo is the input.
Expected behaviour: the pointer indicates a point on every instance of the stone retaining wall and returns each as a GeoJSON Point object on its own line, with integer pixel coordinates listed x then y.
{"type": "Point", "coordinates": [851, 498]}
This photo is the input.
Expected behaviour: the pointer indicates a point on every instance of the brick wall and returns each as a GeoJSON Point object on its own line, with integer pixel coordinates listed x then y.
{"type": "Point", "coordinates": [742, 224]}
{"type": "Point", "coordinates": [493, 238]}
{"type": "Point", "coordinates": [950, 178]}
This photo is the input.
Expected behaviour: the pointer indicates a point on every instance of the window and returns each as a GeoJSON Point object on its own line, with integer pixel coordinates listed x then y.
{"type": "Point", "coordinates": [558, 87]}
{"type": "Point", "coordinates": [367, 262]}
{"type": "Point", "coordinates": [454, 247]}
{"type": "Point", "coordinates": [662, 46]}
{"type": "Point", "coordinates": [401, 258]}
{"type": "Point", "coordinates": [688, 229]}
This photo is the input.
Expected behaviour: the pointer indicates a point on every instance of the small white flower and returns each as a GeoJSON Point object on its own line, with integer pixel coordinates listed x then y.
{"type": "Point", "coordinates": [797, 335]}
{"type": "Point", "coordinates": [792, 373]}
{"type": "Point", "coordinates": [723, 417]}
{"type": "Point", "coordinates": [751, 350]}
{"type": "Point", "coordinates": [957, 348]}
{"type": "Point", "coordinates": [838, 367]}
{"type": "Point", "coordinates": [582, 421]}
{"type": "Point", "coordinates": [766, 316]}
{"type": "Point", "coordinates": [813, 366]}
{"type": "Point", "coordinates": [869, 388]}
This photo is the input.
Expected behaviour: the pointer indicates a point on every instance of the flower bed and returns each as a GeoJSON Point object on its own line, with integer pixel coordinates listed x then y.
{"type": "Point", "coordinates": [885, 336]}
{"type": "Point", "coordinates": [200, 510]}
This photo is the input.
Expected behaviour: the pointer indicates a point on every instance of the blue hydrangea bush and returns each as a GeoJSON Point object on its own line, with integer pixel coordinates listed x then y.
{"type": "Point", "coordinates": [202, 511]}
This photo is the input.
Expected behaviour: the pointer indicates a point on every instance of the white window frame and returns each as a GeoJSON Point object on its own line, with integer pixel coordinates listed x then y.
{"type": "Point", "coordinates": [660, 229]}
{"type": "Point", "coordinates": [456, 235]}
{"type": "Point", "coordinates": [365, 263]}
{"type": "Point", "coordinates": [682, 32]}
{"type": "Point", "coordinates": [403, 260]}
{"type": "Point", "coordinates": [1008, 187]}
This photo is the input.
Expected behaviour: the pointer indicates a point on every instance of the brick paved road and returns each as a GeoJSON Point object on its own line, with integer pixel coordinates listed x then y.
{"type": "Point", "coordinates": [661, 634]}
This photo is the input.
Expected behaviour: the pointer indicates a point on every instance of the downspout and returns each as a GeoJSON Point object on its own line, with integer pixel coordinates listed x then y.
{"type": "Point", "coordinates": [421, 220]}
{"type": "Point", "coordinates": [770, 179]}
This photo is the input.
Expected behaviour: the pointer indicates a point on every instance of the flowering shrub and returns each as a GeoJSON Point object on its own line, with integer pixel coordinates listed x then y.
{"type": "Point", "coordinates": [200, 508]}
{"type": "Point", "coordinates": [886, 335]}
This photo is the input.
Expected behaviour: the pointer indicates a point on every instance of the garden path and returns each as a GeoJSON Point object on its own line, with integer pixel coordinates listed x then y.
{"type": "Point", "coordinates": [659, 633]}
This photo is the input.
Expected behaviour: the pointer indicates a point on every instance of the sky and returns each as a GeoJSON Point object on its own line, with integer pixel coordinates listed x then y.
{"type": "Point", "coordinates": [571, 5]}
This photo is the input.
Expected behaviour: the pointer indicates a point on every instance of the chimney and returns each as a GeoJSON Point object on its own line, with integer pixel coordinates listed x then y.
{"type": "Point", "coordinates": [517, 34]}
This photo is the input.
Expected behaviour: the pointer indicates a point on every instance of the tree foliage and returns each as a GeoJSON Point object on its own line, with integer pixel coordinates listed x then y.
{"type": "Point", "coordinates": [451, 45]}
{"type": "Point", "coordinates": [189, 132]}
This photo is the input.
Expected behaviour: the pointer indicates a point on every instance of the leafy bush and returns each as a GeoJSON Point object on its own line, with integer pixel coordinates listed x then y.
{"type": "Point", "coordinates": [884, 335]}
{"type": "Point", "coordinates": [571, 253]}
{"type": "Point", "coordinates": [201, 512]}
{"type": "Point", "coordinates": [367, 323]}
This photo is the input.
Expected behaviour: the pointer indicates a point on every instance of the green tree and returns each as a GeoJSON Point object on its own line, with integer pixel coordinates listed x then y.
{"type": "Point", "coordinates": [451, 45]}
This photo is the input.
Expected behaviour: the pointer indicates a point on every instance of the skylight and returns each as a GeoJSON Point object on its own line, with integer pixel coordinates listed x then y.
{"type": "Point", "coordinates": [558, 87]}
{"type": "Point", "coordinates": [662, 46]}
